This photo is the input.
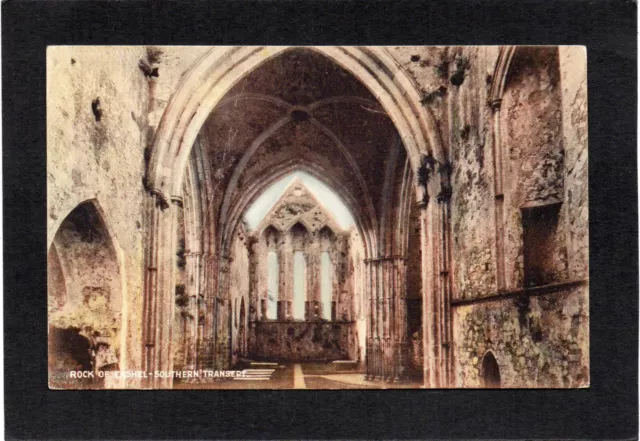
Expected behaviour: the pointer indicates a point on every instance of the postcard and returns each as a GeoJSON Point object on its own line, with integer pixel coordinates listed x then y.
{"type": "Point", "coordinates": [243, 217]}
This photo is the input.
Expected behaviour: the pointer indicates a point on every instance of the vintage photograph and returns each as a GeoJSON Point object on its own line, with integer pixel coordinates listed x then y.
{"type": "Point", "coordinates": [326, 217]}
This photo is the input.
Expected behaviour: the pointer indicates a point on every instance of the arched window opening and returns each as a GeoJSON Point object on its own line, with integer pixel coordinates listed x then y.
{"type": "Point", "coordinates": [271, 237]}
{"type": "Point", "coordinates": [262, 205]}
{"type": "Point", "coordinates": [273, 281]}
{"type": "Point", "coordinates": [299, 285]}
{"type": "Point", "coordinates": [326, 285]}
{"type": "Point", "coordinates": [326, 233]}
{"type": "Point", "coordinates": [490, 372]}
{"type": "Point", "coordinates": [299, 236]}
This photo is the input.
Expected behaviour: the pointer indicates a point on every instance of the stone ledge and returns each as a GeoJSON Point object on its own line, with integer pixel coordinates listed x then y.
{"type": "Point", "coordinates": [533, 291]}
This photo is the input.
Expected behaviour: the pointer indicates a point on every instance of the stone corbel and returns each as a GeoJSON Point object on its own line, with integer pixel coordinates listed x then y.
{"type": "Point", "coordinates": [425, 171]}
{"type": "Point", "coordinates": [495, 104]}
{"type": "Point", "coordinates": [162, 201]}
{"type": "Point", "coordinates": [225, 261]}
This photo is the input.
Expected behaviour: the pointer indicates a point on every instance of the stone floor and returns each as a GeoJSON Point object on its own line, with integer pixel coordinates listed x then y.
{"type": "Point", "coordinates": [265, 375]}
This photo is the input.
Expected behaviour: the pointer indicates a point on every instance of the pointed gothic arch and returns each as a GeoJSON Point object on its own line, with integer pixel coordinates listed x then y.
{"type": "Point", "coordinates": [213, 75]}
{"type": "Point", "coordinates": [490, 371]}
{"type": "Point", "coordinates": [364, 217]}
{"type": "Point", "coordinates": [199, 91]}
{"type": "Point", "coordinates": [271, 236]}
{"type": "Point", "coordinates": [87, 262]}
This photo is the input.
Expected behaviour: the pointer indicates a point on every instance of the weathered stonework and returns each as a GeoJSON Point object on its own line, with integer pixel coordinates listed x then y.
{"type": "Point", "coordinates": [299, 223]}
{"type": "Point", "coordinates": [540, 341]}
{"type": "Point", "coordinates": [96, 134]}
{"type": "Point", "coordinates": [574, 113]}
{"type": "Point", "coordinates": [465, 169]}
{"type": "Point", "coordinates": [534, 153]}
{"type": "Point", "coordinates": [522, 331]}
{"type": "Point", "coordinates": [304, 341]}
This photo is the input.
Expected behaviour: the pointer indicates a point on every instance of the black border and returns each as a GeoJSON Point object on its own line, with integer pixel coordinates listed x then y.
{"type": "Point", "coordinates": [607, 410]}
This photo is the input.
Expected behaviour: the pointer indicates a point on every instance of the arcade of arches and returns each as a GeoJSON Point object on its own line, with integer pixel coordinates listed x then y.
{"type": "Point", "coordinates": [464, 171]}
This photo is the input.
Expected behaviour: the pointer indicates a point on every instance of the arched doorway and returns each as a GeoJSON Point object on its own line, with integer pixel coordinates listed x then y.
{"type": "Point", "coordinates": [84, 299]}
{"type": "Point", "coordinates": [490, 372]}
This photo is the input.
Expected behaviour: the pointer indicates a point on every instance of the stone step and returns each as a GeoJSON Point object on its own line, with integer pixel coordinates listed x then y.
{"type": "Point", "coordinates": [258, 371]}
{"type": "Point", "coordinates": [253, 378]}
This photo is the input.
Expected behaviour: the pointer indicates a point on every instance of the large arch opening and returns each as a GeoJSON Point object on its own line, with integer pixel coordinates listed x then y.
{"type": "Point", "coordinates": [365, 134]}
{"type": "Point", "coordinates": [84, 300]}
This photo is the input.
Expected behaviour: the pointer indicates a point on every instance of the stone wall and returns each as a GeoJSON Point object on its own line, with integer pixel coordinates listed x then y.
{"type": "Point", "coordinates": [97, 102]}
{"type": "Point", "coordinates": [538, 341]}
{"type": "Point", "coordinates": [167, 66]}
{"type": "Point", "coordinates": [304, 341]}
{"type": "Point", "coordinates": [85, 298]}
{"type": "Point", "coordinates": [183, 315]}
{"type": "Point", "coordinates": [573, 65]}
{"type": "Point", "coordinates": [533, 157]}
{"type": "Point", "coordinates": [537, 328]}
{"type": "Point", "coordinates": [472, 176]}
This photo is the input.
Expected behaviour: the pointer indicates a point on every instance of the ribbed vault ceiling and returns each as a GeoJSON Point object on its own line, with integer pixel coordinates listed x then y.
{"type": "Point", "coordinates": [299, 106]}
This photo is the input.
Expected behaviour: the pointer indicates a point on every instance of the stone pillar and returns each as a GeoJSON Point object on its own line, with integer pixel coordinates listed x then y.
{"type": "Point", "coordinates": [255, 300]}
{"type": "Point", "coordinates": [369, 287]}
{"type": "Point", "coordinates": [400, 324]}
{"type": "Point", "coordinates": [159, 304]}
{"type": "Point", "coordinates": [257, 269]}
{"type": "Point", "coordinates": [282, 310]}
{"type": "Point", "coordinates": [387, 323]}
{"type": "Point", "coordinates": [193, 290]}
{"type": "Point", "coordinates": [222, 343]}
{"type": "Point", "coordinates": [312, 258]}
{"type": "Point", "coordinates": [498, 182]}
{"type": "Point", "coordinates": [436, 296]}
{"type": "Point", "coordinates": [206, 352]}
{"type": "Point", "coordinates": [573, 78]}
{"type": "Point", "coordinates": [444, 260]}
{"type": "Point", "coordinates": [342, 281]}
{"type": "Point", "coordinates": [385, 267]}
{"type": "Point", "coordinates": [286, 276]}
{"type": "Point", "coordinates": [429, 320]}
{"type": "Point", "coordinates": [378, 318]}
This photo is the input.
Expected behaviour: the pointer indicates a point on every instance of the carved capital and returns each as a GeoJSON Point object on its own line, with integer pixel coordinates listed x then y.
{"type": "Point", "coordinates": [495, 104]}
{"type": "Point", "coordinates": [162, 201]}
{"type": "Point", "coordinates": [425, 171]}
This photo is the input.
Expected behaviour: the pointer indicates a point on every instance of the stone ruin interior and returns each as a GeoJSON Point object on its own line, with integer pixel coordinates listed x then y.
{"type": "Point", "coordinates": [461, 173]}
